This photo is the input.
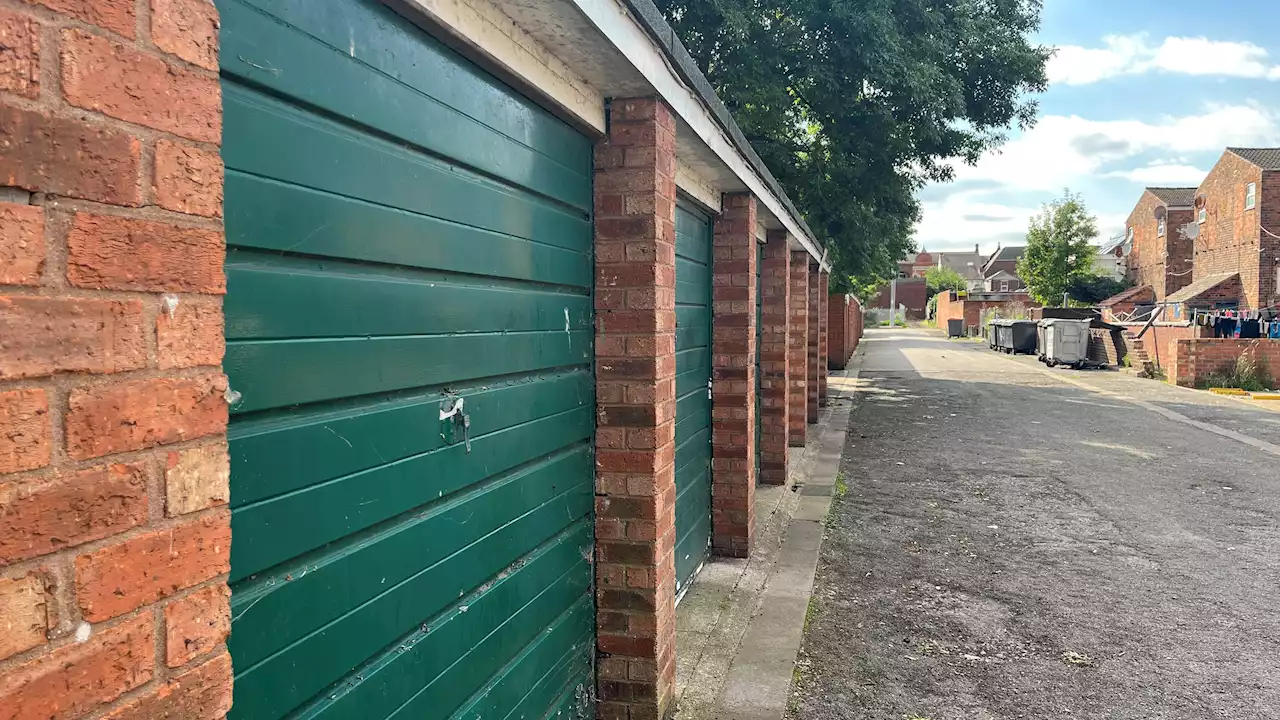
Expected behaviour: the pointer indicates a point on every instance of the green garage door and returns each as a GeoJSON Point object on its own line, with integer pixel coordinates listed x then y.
{"type": "Point", "coordinates": [693, 392]}
{"type": "Point", "coordinates": [409, 329]}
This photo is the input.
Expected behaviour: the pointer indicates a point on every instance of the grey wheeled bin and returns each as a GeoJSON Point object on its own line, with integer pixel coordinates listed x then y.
{"type": "Point", "coordinates": [1064, 342]}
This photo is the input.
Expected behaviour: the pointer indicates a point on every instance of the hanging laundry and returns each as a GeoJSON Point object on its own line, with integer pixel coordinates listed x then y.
{"type": "Point", "coordinates": [1249, 330]}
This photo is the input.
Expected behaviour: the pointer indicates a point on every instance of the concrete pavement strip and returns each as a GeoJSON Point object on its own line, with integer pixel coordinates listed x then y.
{"type": "Point", "coordinates": [740, 627]}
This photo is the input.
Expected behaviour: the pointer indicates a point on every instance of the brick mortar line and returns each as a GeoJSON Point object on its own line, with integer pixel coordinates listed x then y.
{"type": "Point", "coordinates": [162, 669]}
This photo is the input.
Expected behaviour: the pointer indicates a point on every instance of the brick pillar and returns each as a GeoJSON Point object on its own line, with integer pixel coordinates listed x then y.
{"type": "Point", "coordinates": [775, 330]}
{"type": "Point", "coordinates": [115, 535]}
{"type": "Point", "coordinates": [798, 350]}
{"type": "Point", "coordinates": [635, 195]}
{"type": "Point", "coordinates": [824, 322]}
{"type": "Point", "coordinates": [733, 358]}
{"type": "Point", "coordinates": [837, 332]}
{"type": "Point", "coordinates": [815, 330]}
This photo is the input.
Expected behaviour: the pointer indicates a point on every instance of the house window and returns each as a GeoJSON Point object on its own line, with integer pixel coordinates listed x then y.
{"type": "Point", "coordinates": [1250, 196]}
{"type": "Point", "coordinates": [1004, 286]}
{"type": "Point", "coordinates": [1204, 215]}
{"type": "Point", "coordinates": [1160, 228]}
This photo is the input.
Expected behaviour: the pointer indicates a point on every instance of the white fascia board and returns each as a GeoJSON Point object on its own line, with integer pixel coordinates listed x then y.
{"type": "Point", "coordinates": [697, 187]}
{"type": "Point", "coordinates": [616, 24]}
{"type": "Point", "coordinates": [481, 26]}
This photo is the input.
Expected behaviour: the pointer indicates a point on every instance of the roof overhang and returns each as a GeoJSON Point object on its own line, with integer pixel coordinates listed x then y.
{"type": "Point", "coordinates": [604, 49]}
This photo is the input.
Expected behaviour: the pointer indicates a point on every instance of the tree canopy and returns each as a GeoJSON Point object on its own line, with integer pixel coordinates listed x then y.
{"type": "Point", "coordinates": [855, 104]}
{"type": "Point", "coordinates": [939, 278]}
{"type": "Point", "coordinates": [1093, 289]}
{"type": "Point", "coordinates": [1060, 249]}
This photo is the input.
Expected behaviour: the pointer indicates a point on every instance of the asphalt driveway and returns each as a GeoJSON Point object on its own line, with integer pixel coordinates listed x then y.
{"type": "Point", "coordinates": [1013, 546]}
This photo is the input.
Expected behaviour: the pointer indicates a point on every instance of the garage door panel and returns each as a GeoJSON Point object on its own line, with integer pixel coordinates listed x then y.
{"type": "Point", "coordinates": [457, 685]}
{"type": "Point", "coordinates": [508, 689]}
{"type": "Point", "coordinates": [346, 75]}
{"type": "Point", "coordinates": [276, 454]}
{"type": "Point", "coordinates": [280, 528]}
{"type": "Point", "coordinates": [381, 659]}
{"type": "Point", "coordinates": [693, 332]}
{"type": "Point", "coordinates": [693, 283]}
{"type": "Point", "coordinates": [265, 214]}
{"type": "Point", "coordinates": [395, 47]}
{"type": "Point", "coordinates": [518, 510]}
{"type": "Point", "coordinates": [692, 412]}
{"type": "Point", "coordinates": [693, 368]}
{"type": "Point", "coordinates": [556, 689]}
{"type": "Point", "coordinates": [693, 406]}
{"type": "Point", "coordinates": [279, 373]}
{"type": "Point", "coordinates": [520, 604]}
{"type": "Point", "coordinates": [693, 522]}
{"type": "Point", "coordinates": [403, 230]}
{"type": "Point", "coordinates": [288, 145]}
{"type": "Point", "coordinates": [274, 298]}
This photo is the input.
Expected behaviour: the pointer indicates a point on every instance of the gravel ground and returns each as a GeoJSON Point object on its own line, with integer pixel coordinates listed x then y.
{"type": "Point", "coordinates": [1010, 546]}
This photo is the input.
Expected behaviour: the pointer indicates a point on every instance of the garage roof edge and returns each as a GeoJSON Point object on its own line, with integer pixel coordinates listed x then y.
{"type": "Point", "coordinates": [655, 25]}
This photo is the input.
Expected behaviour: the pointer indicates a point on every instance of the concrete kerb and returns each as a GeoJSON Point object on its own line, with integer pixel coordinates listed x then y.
{"type": "Point", "coordinates": [740, 627]}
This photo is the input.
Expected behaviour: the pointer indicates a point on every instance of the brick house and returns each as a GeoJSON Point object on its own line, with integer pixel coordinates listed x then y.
{"type": "Point", "coordinates": [1238, 218]}
{"type": "Point", "coordinates": [1000, 273]}
{"type": "Point", "coordinates": [1161, 255]}
{"type": "Point", "coordinates": [912, 293]}
{"type": "Point", "coordinates": [228, 472]}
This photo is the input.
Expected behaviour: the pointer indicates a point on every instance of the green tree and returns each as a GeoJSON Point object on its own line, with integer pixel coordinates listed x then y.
{"type": "Point", "coordinates": [938, 278]}
{"type": "Point", "coordinates": [1093, 289]}
{"type": "Point", "coordinates": [1060, 249]}
{"type": "Point", "coordinates": [855, 104]}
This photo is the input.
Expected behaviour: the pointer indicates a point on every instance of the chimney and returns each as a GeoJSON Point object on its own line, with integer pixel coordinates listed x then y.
{"type": "Point", "coordinates": [975, 249]}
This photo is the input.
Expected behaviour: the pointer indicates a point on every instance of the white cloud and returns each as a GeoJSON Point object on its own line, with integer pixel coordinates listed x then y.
{"type": "Point", "coordinates": [1135, 55]}
{"type": "Point", "coordinates": [1063, 149]}
{"type": "Point", "coordinates": [1068, 151]}
{"type": "Point", "coordinates": [1162, 175]}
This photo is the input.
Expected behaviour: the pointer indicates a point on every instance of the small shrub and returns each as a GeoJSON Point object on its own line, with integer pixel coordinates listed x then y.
{"type": "Point", "coordinates": [1247, 374]}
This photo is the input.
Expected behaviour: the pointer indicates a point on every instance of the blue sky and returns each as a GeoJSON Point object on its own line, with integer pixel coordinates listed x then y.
{"type": "Point", "coordinates": [1142, 93]}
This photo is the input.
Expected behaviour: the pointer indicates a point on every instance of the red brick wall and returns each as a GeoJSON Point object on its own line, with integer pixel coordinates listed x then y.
{"type": "Point", "coordinates": [854, 323]}
{"type": "Point", "coordinates": [1180, 262]}
{"type": "Point", "coordinates": [1269, 255]}
{"type": "Point", "coordinates": [823, 332]}
{"type": "Point", "coordinates": [798, 345]}
{"type": "Point", "coordinates": [844, 321]}
{"type": "Point", "coordinates": [814, 354]}
{"type": "Point", "coordinates": [969, 310]}
{"type": "Point", "coordinates": [1229, 237]}
{"type": "Point", "coordinates": [775, 334]}
{"type": "Point", "coordinates": [1199, 358]}
{"type": "Point", "coordinates": [1160, 342]}
{"type": "Point", "coordinates": [912, 293]}
{"type": "Point", "coordinates": [1106, 346]}
{"type": "Point", "coordinates": [837, 332]}
{"type": "Point", "coordinates": [1163, 262]}
{"type": "Point", "coordinates": [733, 402]}
{"type": "Point", "coordinates": [948, 308]}
{"type": "Point", "coordinates": [114, 545]}
{"type": "Point", "coordinates": [636, 407]}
